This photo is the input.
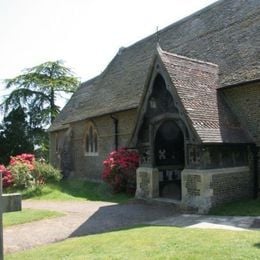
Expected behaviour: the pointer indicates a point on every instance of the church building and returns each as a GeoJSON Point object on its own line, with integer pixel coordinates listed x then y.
{"type": "Point", "coordinates": [187, 98]}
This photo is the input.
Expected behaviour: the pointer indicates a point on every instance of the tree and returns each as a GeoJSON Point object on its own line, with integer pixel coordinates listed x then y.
{"type": "Point", "coordinates": [35, 92]}
{"type": "Point", "coordinates": [15, 136]}
{"type": "Point", "coordinates": [37, 89]}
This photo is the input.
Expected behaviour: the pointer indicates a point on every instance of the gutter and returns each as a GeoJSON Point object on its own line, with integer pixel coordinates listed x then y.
{"type": "Point", "coordinates": [241, 83]}
{"type": "Point", "coordinates": [115, 120]}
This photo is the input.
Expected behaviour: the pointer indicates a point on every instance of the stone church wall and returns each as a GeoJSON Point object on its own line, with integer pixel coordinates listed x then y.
{"type": "Point", "coordinates": [55, 139]}
{"type": "Point", "coordinates": [91, 166]}
{"type": "Point", "coordinates": [244, 100]}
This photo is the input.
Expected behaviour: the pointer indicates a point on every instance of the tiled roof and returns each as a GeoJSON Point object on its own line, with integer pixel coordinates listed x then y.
{"type": "Point", "coordinates": [225, 33]}
{"type": "Point", "coordinates": [196, 83]}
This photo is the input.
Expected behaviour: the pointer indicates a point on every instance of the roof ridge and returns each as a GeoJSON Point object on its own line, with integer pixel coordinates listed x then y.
{"type": "Point", "coordinates": [89, 81]}
{"type": "Point", "coordinates": [182, 20]}
{"type": "Point", "coordinates": [187, 58]}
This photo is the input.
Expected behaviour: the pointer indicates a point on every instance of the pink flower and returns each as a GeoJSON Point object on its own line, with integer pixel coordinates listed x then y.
{"type": "Point", "coordinates": [25, 158]}
{"type": "Point", "coordinates": [117, 166]}
{"type": "Point", "coordinates": [6, 176]}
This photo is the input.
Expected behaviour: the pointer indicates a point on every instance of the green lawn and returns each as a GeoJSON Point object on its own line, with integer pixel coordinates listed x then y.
{"type": "Point", "coordinates": [240, 208]}
{"type": "Point", "coordinates": [28, 215]}
{"type": "Point", "coordinates": [86, 190]}
{"type": "Point", "coordinates": [153, 243]}
{"type": "Point", "coordinates": [75, 190]}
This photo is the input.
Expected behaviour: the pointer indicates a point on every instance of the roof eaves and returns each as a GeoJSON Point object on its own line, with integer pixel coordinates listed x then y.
{"type": "Point", "coordinates": [237, 84]}
{"type": "Point", "coordinates": [99, 115]}
{"type": "Point", "coordinates": [58, 127]}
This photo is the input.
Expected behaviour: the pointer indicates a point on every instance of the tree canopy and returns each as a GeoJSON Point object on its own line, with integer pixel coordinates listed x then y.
{"type": "Point", "coordinates": [37, 88]}
{"type": "Point", "coordinates": [34, 93]}
{"type": "Point", "coordinates": [15, 135]}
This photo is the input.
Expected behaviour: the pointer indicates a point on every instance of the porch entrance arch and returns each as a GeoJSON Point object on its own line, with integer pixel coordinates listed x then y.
{"type": "Point", "coordinates": [169, 158]}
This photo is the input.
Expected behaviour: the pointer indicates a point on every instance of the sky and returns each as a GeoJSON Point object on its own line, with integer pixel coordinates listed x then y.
{"type": "Point", "coordinates": [85, 34]}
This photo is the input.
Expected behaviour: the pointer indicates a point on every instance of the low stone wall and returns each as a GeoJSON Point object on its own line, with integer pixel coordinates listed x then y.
{"type": "Point", "coordinates": [203, 189]}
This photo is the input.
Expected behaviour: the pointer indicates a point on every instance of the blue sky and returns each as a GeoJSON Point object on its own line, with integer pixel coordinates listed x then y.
{"type": "Point", "coordinates": [86, 34]}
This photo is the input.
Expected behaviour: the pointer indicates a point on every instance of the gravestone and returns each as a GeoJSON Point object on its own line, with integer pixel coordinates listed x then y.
{"type": "Point", "coordinates": [8, 203]}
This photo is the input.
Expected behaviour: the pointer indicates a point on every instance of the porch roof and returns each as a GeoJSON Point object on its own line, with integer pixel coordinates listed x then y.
{"type": "Point", "coordinates": [196, 83]}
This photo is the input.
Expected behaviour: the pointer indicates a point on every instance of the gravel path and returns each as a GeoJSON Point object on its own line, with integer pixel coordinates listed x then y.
{"type": "Point", "coordinates": [81, 218]}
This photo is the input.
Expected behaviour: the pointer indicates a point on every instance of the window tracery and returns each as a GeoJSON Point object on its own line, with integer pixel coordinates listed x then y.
{"type": "Point", "coordinates": [91, 140]}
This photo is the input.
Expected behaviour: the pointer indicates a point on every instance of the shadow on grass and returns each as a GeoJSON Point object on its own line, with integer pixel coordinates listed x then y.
{"type": "Point", "coordinates": [257, 245]}
{"type": "Point", "coordinates": [75, 189]}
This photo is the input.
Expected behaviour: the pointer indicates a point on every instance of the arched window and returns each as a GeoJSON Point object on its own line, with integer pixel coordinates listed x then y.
{"type": "Point", "coordinates": [91, 140]}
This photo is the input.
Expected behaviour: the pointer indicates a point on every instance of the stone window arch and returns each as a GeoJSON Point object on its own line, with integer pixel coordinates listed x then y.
{"type": "Point", "coordinates": [91, 140]}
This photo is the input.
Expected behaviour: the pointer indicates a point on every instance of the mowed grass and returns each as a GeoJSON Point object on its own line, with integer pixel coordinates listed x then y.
{"type": "Point", "coordinates": [239, 208]}
{"type": "Point", "coordinates": [150, 242]}
{"type": "Point", "coordinates": [28, 215]}
{"type": "Point", "coordinates": [69, 190]}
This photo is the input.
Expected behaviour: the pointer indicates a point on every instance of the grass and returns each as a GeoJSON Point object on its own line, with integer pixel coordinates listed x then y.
{"type": "Point", "coordinates": [28, 215]}
{"type": "Point", "coordinates": [149, 242]}
{"type": "Point", "coordinates": [240, 208]}
{"type": "Point", "coordinates": [75, 190]}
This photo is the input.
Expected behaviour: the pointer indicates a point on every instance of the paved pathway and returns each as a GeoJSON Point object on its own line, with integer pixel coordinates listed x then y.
{"type": "Point", "coordinates": [211, 222]}
{"type": "Point", "coordinates": [84, 218]}
{"type": "Point", "coordinates": [81, 218]}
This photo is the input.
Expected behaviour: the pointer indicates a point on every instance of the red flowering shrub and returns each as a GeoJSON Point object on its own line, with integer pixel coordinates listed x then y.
{"type": "Point", "coordinates": [7, 177]}
{"type": "Point", "coordinates": [28, 172]}
{"type": "Point", "coordinates": [120, 170]}
{"type": "Point", "coordinates": [25, 158]}
{"type": "Point", "coordinates": [21, 167]}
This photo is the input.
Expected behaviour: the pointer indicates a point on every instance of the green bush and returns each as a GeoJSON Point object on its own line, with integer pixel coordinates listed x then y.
{"type": "Point", "coordinates": [22, 177]}
{"type": "Point", "coordinates": [27, 172]}
{"type": "Point", "coordinates": [44, 172]}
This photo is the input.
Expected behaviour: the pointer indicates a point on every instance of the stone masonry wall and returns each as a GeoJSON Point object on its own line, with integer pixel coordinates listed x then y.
{"type": "Point", "coordinates": [244, 100]}
{"type": "Point", "coordinates": [231, 187]}
{"type": "Point", "coordinates": [147, 182]}
{"type": "Point", "coordinates": [203, 189]}
{"type": "Point", "coordinates": [55, 139]}
{"type": "Point", "coordinates": [91, 166]}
